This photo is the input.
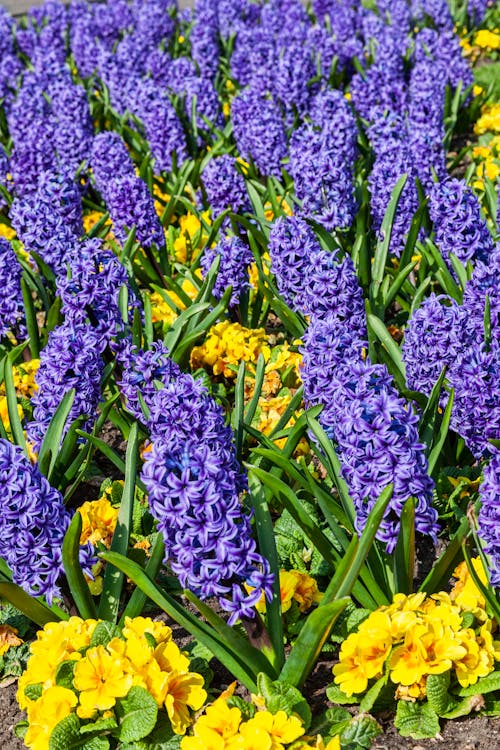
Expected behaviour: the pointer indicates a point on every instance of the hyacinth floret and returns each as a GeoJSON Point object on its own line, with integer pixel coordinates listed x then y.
{"type": "Point", "coordinates": [33, 521]}
{"type": "Point", "coordinates": [193, 480]}
{"type": "Point", "coordinates": [433, 339]}
{"type": "Point", "coordinates": [376, 433]}
{"type": "Point", "coordinates": [131, 205]}
{"type": "Point", "coordinates": [225, 186]}
{"type": "Point", "coordinates": [291, 243]}
{"type": "Point", "coordinates": [90, 291]}
{"type": "Point", "coordinates": [459, 226]}
{"type": "Point", "coordinates": [235, 257]}
{"type": "Point", "coordinates": [110, 160]}
{"type": "Point", "coordinates": [11, 298]}
{"type": "Point", "coordinates": [71, 359]}
{"type": "Point", "coordinates": [259, 131]}
{"type": "Point", "coordinates": [139, 371]}
{"type": "Point", "coordinates": [50, 221]}
{"type": "Point", "coordinates": [489, 516]}
{"type": "Point", "coordinates": [323, 174]}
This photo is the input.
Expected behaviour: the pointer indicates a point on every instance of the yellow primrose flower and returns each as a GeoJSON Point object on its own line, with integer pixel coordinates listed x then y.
{"type": "Point", "coordinates": [489, 120]}
{"type": "Point", "coordinates": [227, 344]}
{"type": "Point", "coordinates": [8, 638]}
{"type": "Point", "coordinates": [253, 271]}
{"type": "Point", "coordinates": [171, 658]}
{"type": "Point", "coordinates": [101, 679]}
{"type": "Point", "coordinates": [280, 728]}
{"type": "Point", "coordinates": [219, 721]}
{"type": "Point", "coordinates": [99, 520]}
{"type": "Point", "coordinates": [162, 312]}
{"type": "Point", "coordinates": [363, 654]}
{"type": "Point", "coordinates": [412, 693]}
{"type": "Point", "coordinates": [191, 237]}
{"type": "Point", "coordinates": [487, 39]}
{"type": "Point", "coordinates": [52, 707]}
{"type": "Point", "coordinates": [140, 625]}
{"type": "Point", "coordinates": [465, 593]}
{"type": "Point", "coordinates": [183, 690]}
{"type": "Point", "coordinates": [7, 232]}
{"type": "Point", "coordinates": [479, 658]}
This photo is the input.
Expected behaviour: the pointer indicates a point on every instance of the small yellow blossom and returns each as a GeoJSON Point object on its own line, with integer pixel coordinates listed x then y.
{"type": "Point", "coordinates": [99, 520]}
{"type": "Point", "coordinates": [183, 690]}
{"type": "Point", "coordinates": [8, 638]}
{"type": "Point", "coordinates": [465, 593]}
{"type": "Point", "coordinates": [165, 313]}
{"type": "Point", "coordinates": [52, 707]}
{"type": "Point", "coordinates": [226, 345]}
{"type": "Point", "coordinates": [487, 39]}
{"type": "Point", "coordinates": [191, 237]}
{"type": "Point", "coordinates": [101, 679]}
{"type": "Point", "coordinates": [7, 232]}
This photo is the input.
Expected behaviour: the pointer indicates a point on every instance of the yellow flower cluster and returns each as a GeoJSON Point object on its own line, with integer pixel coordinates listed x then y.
{"type": "Point", "coordinates": [485, 39]}
{"type": "Point", "coordinates": [417, 636]}
{"type": "Point", "coordinates": [295, 587]}
{"type": "Point", "coordinates": [191, 237]}
{"type": "Point", "coordinates": [222, 727]}
{"type": "Point", "coordinates": [145, 655]}
{"type": "Point", "coordinates": [24, 383]}
{"type": "Point", "coordinates": [8, 638]}
{"type": "Point", "coordinates": [165, 313]}
{"type": "Point", "coordinates": [99, 519]}
{"type": "Point", "coordinates": [281, 380]}
{"type": "Point", "coordinates": [226, 345]}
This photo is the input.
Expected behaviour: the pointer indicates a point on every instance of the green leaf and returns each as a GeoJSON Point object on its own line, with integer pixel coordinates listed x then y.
{"type": "Point", "coordinates": [34, 692]}
{"type": "Point", "coordinates": [51, 444]}
{"type": "Point", "coordinates": [10, 393]}
{"type": "Point", "coordinates": [280, 696]}
{"type": "Point", "coordinates": [488, 684]}
{"type": "Point", "coordinates": [66, 734]}
{"type": "Point", "coordinates": [382, 249]}
{"type": "Point", "coordinates": [137, 714]}
{"type": "Point", "coordinates": [138, 599]}
{"type": "Point", "coordinates": [104, 632]}
{"type": "Point", "coordinates": [74, 575]}
{"type": "Point", "coordinates": [267, 547]}
{"type": "Point", "coordinates": [441, 436]}
{"type": "Point", "coordinates": [416, 720]}
{"type": "Point", "coordinates": [360, 732]}
{"type": "Point", "coordinates": [36, 610]}
{"type": "Point", "coordinates": [430, 415]}
{"type": "Point", "coordinates": [385, 338]}
{"type": "Point", "coordinates": [404, 554]}
{"type": "Point", "coordinates": [161, 738]}
{"type": "Point", "coordinates": [113, 578]}
{"type": "Point", "coordinates": [292, 503]}
{"type": "Point", "coordinates": [64, 674]}
{"type": "Point", "coordinates": [335, 694]}
{"type": "Point", "coordinates": [101, 725]}
{"type": "Point", "coordinates": [309, 643]}
{"type": "Point", "coordinates": [437, 693]}
{"type": "Point", "coordinates": [369, 698]}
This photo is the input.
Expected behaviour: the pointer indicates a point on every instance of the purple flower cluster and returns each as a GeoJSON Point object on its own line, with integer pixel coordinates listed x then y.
{"type": "Point", "coordinates": [130, 205]}
{"type": "Point", "coordinates": [193, 482]}
{"type": "Point", "coordinates": [33, 521]}
{"type": "Point", "coordinates": [225, 186]}
{"type": "Point", "coordinates": [322, 157]}
{"type": "Point", "coordinates": [393, 159]}
{"type": "Point", "coordinates": [90, 291]}
{"type": "Point", "coordinates": [139, 371]}
{"type": "Point", "coordinates": [459, 226]}
{"type": "Point", "coordinates": [50, 221]}
{"type": "Point", "coordinates": [11, 299]}
{"type": "Point", "coordinates": [71, 359]}
{"type": "Point", "coordinates": [110, 159]}
{"type": "Point", "coordinates": [291, 243]}
{"type": "Point", "coordinates": [489, 516]}
{"type": "Point", "coordinates": [432, 341]}
{"type": "Point", "coordinates": [441, 333]}
{"type": "Point", "coordinates": [259, 131]}
{"type": "Point", "coordinates": [235, 257]}
{"type": "Point", "coordinates": [72, 123]}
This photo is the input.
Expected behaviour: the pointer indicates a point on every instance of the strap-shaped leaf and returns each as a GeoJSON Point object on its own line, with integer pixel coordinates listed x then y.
{"type": "Point", "coordinates": [72, 568]}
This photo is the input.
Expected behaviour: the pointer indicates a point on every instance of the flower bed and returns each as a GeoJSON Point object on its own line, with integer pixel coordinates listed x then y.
{"type": "Point", "coordinates": [257, 244]}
